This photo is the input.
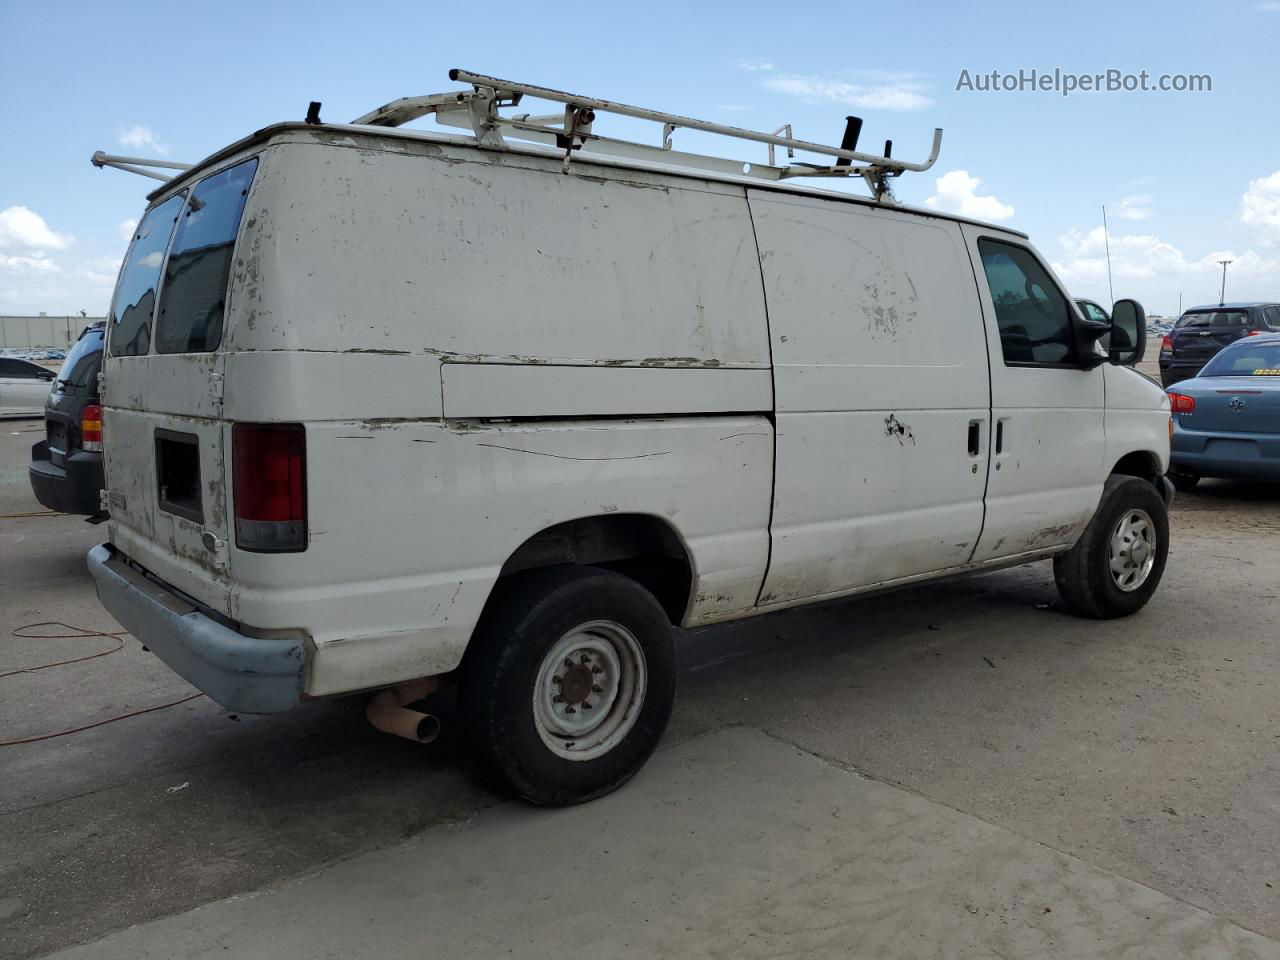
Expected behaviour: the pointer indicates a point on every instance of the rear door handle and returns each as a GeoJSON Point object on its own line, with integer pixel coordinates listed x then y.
{"type": "Point", "coordinates": [999, 436]}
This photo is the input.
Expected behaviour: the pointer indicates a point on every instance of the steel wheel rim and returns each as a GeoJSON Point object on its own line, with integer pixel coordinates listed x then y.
{"type": "Point", "coordinates": [589, 690]}
{"type": "Point", "coordinates": [1133, 550]}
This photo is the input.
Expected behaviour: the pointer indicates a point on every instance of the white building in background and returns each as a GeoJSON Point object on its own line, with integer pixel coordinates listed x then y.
{"type": "Point", "coordinates": [42, 332]}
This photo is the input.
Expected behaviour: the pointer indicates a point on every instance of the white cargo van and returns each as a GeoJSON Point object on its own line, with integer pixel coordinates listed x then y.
{"type": "Point", "coordinates": [386, 404]}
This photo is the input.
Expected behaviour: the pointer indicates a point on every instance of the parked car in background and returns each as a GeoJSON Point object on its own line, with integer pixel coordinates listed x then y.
{"type": "Point", "coordinates": [1092, 310]}
{"type": "Point", "coordinates": [66, 467]}
{"type": "Point", "coordinates": [1202, 331]}
{"type": "Point", "coordinates": [23, 386]}
{"type": "Point", "coordinates": [1226, 421]}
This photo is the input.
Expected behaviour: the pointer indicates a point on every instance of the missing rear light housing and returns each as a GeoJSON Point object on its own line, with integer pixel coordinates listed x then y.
{"type": "Point", "coordinates": [178, 474]}
{"type": "Point", "coordinates": [269, 471]}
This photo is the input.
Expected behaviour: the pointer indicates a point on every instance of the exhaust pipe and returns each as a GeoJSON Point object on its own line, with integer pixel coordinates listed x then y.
{"type": "Point", "coordinates": [388, 713]}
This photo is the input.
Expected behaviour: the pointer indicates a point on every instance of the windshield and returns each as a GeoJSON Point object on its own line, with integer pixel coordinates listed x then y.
{"type": "Point", "coordinates": [135, 299]}
{"type": "Point", "coordinates": [1215, 318]}
{"type": "Point", "coordinates": [80, 368]}
{"type": "Point", "coordinates": [1246, 359]}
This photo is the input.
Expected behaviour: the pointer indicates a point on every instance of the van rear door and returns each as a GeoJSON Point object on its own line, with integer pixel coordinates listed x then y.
{"type": "Point", "coordinates": [164, 436]}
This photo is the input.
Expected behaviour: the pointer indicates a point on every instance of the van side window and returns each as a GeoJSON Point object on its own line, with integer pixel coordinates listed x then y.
{"type": "Point", "coordinates": [194, 295]}
{"type": "Point", "coordinates": [135, 299]}
{"type": "Point", "coordinates": [1031, 312]}
{"type": "Point", "coordinates": [1272, 315]}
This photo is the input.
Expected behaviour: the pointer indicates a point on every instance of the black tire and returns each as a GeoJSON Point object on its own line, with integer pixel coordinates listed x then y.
{"type": "Point", "coordinates": [1184, 481]}
{"type": "Point", "coordinates": [524, 622]}
{"type": "Point", "coordinates": [1083, 574]}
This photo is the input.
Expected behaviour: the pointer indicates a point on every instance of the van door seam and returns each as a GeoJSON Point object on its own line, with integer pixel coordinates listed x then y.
{"type": "Point", "coordinates": [773, 389]}
{"type": "Point", "coordinates": [991, 395]}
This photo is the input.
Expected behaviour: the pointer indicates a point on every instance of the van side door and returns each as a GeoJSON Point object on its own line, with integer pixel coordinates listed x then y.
{"type": "Point", "coordinates": [881, 395]}
{"type": "Point", "coordinates": [1047, 470]}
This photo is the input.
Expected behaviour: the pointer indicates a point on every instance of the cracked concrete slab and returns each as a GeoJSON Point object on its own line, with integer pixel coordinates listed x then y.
{"type": "Point", "coordinates": [733, 844]}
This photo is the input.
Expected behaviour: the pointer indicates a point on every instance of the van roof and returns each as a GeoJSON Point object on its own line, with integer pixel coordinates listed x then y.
{"type": "Point", "coordinates": [600, 160]}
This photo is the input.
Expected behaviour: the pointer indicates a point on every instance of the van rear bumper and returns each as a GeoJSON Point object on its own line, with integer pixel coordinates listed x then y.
{"type": "Point", "coordinates": [245, 674]}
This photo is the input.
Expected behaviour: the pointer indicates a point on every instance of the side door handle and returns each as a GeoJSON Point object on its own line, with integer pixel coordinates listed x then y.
{"type": "Point", "coordinates": [999, 436]}
{"type": "Point", "coordinates": [975, 438]}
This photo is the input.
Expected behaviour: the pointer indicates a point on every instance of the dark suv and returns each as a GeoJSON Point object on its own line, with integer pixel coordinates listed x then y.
{"type": "Point", "coordinates": [1202, 331]}
{"type": "Point", "coordinates": [66, 467]}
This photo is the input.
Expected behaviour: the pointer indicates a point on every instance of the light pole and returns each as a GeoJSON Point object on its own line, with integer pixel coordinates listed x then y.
{"type": "Point", "coordinates": [1222, 294]}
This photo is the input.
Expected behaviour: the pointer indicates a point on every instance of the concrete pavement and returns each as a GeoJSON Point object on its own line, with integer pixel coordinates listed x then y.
{"type": "Point", "coordinates": [733, 844]}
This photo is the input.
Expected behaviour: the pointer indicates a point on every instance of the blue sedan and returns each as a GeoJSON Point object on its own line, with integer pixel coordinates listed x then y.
{"type": "Point", "coordinates": [1226, 420]}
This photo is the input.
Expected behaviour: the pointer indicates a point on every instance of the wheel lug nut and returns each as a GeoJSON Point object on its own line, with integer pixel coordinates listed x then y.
{"type": "Point", "coordinates": [557, 679]}
{"type": "Point", "coordinates": [570, 710]}
{"type": "Point", "coordinates": [597, 669]}
{"type": "Point", "coordinates": [585, 705]}
{"type": "Point", "coordinates": [585, 658]}
{"type": "Point", "coordinates": [596, 688]}
{"type": "Point", "coordinates": [568, 662]}
{"type": "Point", "coordinates": [557, 699]}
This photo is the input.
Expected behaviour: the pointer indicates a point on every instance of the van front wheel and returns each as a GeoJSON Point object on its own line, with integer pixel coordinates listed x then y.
{"type": "Point", "coordinates": [568, 683]}
{"type": "Point", "coordinates": [1117, 563]}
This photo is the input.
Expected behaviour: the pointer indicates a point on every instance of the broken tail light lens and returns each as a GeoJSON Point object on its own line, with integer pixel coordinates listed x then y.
{"type": "Point", "coordinates": [269, 484]}
{"type": "Point", "coordinates": [91, 428]}
{"type": "Point", "coordinates": [1181, 403]}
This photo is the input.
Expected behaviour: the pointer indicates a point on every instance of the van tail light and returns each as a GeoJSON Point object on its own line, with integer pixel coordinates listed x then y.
{"type": "Point", "coordinates": [91, 428]}
{"type": "Point", "coordinates": [269, 483]}
{"type": "Point", "coordinates": [1181, 403]}
{"type": "Point", "coordinates": [1254, 333]}
{"type": "Point", "coordinates": [1166, 345]}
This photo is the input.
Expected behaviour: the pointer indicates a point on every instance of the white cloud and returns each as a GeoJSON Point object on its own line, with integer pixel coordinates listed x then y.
{"type": "Point", "coordinates": [141, 136]}
{"type": "Point", "coordinates": [26, 230]}
{"type": "Point", "coordinates": [152, 259]}
{"type": "Point", "coordinates": [38, 263]}
{"type": "Point", "coordinates": [1156, 271]}
{"type": "Point", "coordinates": [755, 66]}
{"type": "Point", "coordinates": [101, 272]}
{"type": "Point", "coordinates": [1260, 206]}
{"type": "Point", "coordinates": [873, 91]}
{"type": "Point", "coordinates": [957, 192]}
{"type": "Point", "coordinates": [1137, 207]}
{"type": "Point", "coordinates": [126, 229]}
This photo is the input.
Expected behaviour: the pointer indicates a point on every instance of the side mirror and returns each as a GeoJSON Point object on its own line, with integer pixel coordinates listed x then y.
{"type": "Point", "coordinates": [1128, 333]}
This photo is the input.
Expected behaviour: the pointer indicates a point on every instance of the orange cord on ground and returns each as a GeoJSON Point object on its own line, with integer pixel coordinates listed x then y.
{"type": "Point", "coordinates": [79, 633]}
{"type": "Point", "coordinates": [117, 635]}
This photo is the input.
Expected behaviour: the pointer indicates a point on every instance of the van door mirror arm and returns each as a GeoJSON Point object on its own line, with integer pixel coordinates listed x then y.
{"type": "Point", "coordinates": [1088, 333]}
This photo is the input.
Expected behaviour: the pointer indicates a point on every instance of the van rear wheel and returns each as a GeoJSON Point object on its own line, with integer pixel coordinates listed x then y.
{"type": "Point", "coordinates": [568, 683]}
{"type": "Point", "coordinates": [1117, 563]}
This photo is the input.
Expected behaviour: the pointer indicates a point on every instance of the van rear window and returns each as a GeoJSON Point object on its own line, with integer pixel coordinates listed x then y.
{"type": "Point", "coordinates": [135, 299]}
{"type": "Point", "coordinates": [1215, 318]}
{"type": "Point", "coordinates": [194, 296]}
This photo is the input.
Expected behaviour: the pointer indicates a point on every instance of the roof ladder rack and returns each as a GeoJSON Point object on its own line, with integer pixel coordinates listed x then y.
{"type": "Point", "coordinates": [136, 165]}
{"type": "Point", "coordinates": [478, 108]}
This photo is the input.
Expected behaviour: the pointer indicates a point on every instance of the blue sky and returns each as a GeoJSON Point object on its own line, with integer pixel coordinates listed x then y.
{"type": "Point", "coordinates": [1188, 178]}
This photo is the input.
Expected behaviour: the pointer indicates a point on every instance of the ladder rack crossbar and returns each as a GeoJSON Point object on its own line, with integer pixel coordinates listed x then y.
{"type": "Point", "coordinates": [507, 87]}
